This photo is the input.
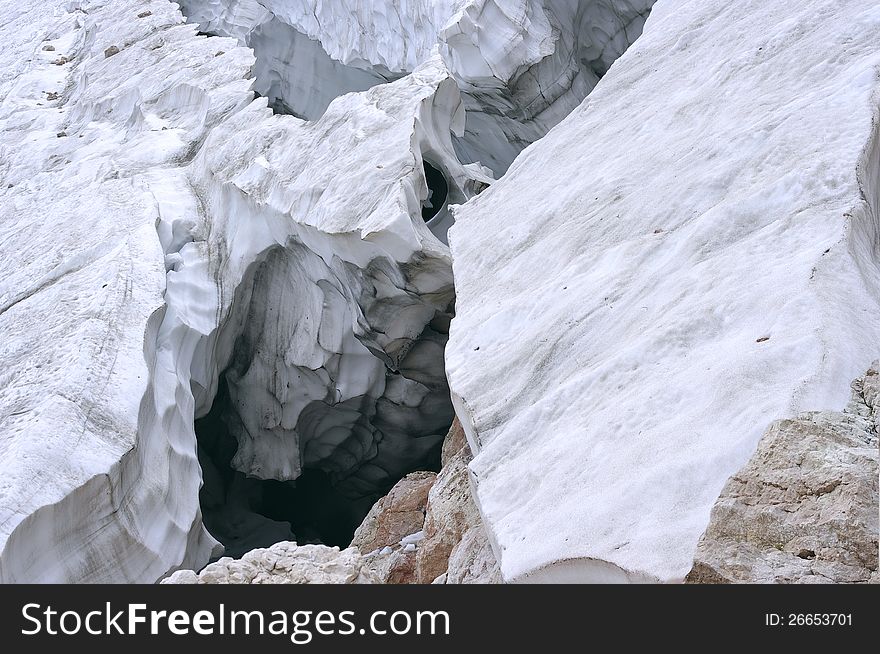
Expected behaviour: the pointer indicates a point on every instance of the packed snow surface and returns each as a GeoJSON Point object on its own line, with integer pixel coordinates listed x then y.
{"type": "Point", "coordinates": [689, 255]}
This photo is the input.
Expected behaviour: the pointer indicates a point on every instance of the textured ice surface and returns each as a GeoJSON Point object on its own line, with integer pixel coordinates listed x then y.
{"type": "Point", "coordinates": [688, 256]}
{"type": "Point", "coordinates": [159, 226]}
{"type": "Point", "coordinates": [97, 460]}
{"type": "Point", "coordinates": [522, 65]}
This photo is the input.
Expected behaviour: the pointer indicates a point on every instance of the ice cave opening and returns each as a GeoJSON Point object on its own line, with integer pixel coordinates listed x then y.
{"type": "Point", "coordinates": [302, 436]}
{"type": "Point", "coordinates": [334, 385]}
{"type": "Point", "coordinates": [244, 512]}
{"type": "Point", "coordinates": [438, 191]}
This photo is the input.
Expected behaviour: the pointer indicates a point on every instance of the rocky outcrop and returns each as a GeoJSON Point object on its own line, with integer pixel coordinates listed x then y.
{"type": "Point", "coordinates": [648, 288]}
{"type": "Point", "coordinates": [284, 563]}
{"type": "Point", "coordinates": [400, 513]}
{"type": "Point", "coordinates": [455, 548]}
{"type": "Point", "coordinates": [804, 508]}
{"type": "Point", "coordinates": [447, 542]}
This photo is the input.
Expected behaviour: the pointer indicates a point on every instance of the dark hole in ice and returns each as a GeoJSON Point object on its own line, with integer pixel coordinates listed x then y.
{"type": "Point", "coordinates": [279, 107]}
{"type": "Point", "coordinates": [244, 513]}
{"type": "Point", "coordinates": [438, 189]}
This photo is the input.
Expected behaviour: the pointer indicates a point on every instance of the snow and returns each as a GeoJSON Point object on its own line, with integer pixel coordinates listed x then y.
{"type": "Point", "coordinates": [138, 210]}
{"type": "Point", "coordinates": [688, 256]}
{"type": "Point", "coordinates": [522, 65]}
{"type": "Point", "coordinates": [412, 539]}
{"type": "Point", "coordinates": [89, 461]}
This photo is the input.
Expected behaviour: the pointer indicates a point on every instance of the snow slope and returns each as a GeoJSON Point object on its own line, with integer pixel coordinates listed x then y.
{"type": "Point", "coordinates": [688, 256]}
{"type": "Point", "coordinates": [159, 225]}
{"type": "Point", "coordinates": [94, 465]}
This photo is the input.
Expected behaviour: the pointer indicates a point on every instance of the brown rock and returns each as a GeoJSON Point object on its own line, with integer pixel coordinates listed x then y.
{"type": "Point", "coordinates": [454, 547]}
{"type": "Point", "coordinates": [392, 565]}
{"type": "Point", "coordinates": [804, 508]}
{"type": "Point", "coordinates": [455, 541]}
{"type": "Point", "coordinates": [400, 513]}
{"type": "Point", "coordinates": [455, 442]}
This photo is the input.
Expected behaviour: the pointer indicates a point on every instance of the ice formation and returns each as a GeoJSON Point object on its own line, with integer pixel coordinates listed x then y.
{"type": "Point", "coordinates": [522, 65]}
{"type": "Point", "coordinates": [236, 216]}
{"type": "Point", "coordinates": [192, 232]}
{"type": "Point", "coordinates": [689, 255]}
{"type": "Point", "coordinates": [282, 273]}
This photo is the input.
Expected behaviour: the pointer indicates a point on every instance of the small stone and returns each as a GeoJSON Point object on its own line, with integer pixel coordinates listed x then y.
{"type": "Point", "coordinates": [48, 48]}
{"type": "Point", "coordinates": [144, 14]}
{"type": "Point", "coordinates": [61, 61]}
{"type": "Point", "coordinates": [51, 95]}
{"type": "Point", "coordinates": [109, 52]}
{"type": "Point", "coordinates": [61, 134]}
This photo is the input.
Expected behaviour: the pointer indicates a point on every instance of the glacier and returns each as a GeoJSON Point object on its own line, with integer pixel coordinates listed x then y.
{"type": "Point", "coordinates": [254, 244]}
{"type": "Point", "coordinates": [521, 65]}
{"type": "Point", "coordinates": [262, 212]}
{"type": "Point", "coordinates": [688, 256]}
{"type": "Point", "coordinates": [201, 234]}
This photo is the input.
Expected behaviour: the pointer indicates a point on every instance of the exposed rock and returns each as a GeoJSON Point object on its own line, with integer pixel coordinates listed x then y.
{"type": "Point", "coordinates": [112, 50]}
{"type": "Point", "coordinates": [393, 565]}
{"type": "Point", "coordinates": [48, 48]}
{"type": "Point", "coordinates": [455, 442]}
{"type": "Point", "coordinates": [284, 563]}
{"type": "Point", "coordinates": [455, 539]}
{"type": "Point", "coordinates": [400, 513]}
{"type": "Point", "coordinates": [472, 560]}
{"type": "Point", "coordinates": [444, 541]}
{"type": "Point", "coordinates": [608, 378]}
{"type": "Point", "coordinates": [804, 508]}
